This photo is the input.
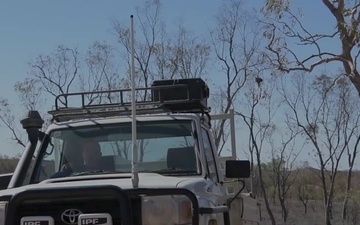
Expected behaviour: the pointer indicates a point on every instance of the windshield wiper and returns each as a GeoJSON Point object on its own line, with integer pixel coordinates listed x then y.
{"type": "Point", "coordinates": [93, 172]}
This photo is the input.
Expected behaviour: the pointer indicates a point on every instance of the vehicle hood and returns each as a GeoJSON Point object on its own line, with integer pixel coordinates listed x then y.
{"type": "Point", "coordinates": [146, 180]}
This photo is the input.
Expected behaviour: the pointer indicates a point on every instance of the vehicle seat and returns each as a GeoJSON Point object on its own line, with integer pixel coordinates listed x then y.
{"type": "Point", "coordinates": [72, 154]}
{"type": "Point", "coordinates": [107, 162]}
{"type": "Point", "coordinates": [182, 158]}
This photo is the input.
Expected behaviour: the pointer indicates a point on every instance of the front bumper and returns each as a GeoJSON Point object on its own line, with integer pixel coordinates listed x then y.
{"type": "Point", "coordinates": [123, 205]}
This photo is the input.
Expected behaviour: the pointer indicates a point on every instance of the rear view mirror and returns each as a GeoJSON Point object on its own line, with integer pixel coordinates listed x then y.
{"type": "Point", "coordinates": [237, 169]}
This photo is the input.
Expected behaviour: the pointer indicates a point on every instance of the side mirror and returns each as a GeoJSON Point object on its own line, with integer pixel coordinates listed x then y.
{"type": "Point", "coordinates": [5, 180]}
{"type": "Point", "coordinates": [237, 169]}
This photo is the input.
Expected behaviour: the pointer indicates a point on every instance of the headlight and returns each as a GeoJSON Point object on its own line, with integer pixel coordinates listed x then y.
{"type": "Point", "coordinates": [166, 210]}
{"type": "Point", "coordinates": [2, 212]}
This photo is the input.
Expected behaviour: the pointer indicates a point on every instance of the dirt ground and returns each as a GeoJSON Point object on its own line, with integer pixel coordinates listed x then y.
{"type": "Point", "coordinates": [314, 215]}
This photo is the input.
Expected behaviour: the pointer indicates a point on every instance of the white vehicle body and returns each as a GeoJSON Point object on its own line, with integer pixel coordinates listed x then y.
{"type": "Point", "coordinates": [211, 192]}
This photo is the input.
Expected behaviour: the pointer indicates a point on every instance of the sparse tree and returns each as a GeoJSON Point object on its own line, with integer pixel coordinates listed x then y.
{"type": "Point", "coordinates": [284, 27]}
{"type": "Point", "coordinates": [57, 73]}
{"type": "Point", "coordinates": [8, 119]}
{"type": "Point", "coordinates": [283, 165]}
{"type": "Point", "coordinates": [261, 127]}
{"type": "Point", "coordinates": [325, 123]}
{"type": "Point", "coordinates": [236, 40]}
{"type": "Point", "coordinates": [29, 93]}
{"type": "Point", "coordinates": [101, 74]}
{"type": "Point", "coordinates": [156, 55]}
{"type": "Point", "coordinates": [351, 109]}
{"type": "Point", "coordinates": [303, 189]}
{"type": "Point", "coordinates": [66, 70]}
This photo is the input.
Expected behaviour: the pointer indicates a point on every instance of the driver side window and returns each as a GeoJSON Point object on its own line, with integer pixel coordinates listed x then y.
{"type": "Point", "coordinates": [50, 162]}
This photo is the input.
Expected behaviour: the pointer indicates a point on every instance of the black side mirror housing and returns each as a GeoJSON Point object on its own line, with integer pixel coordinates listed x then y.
{"type": "Point", "coordinates": [237, 169]}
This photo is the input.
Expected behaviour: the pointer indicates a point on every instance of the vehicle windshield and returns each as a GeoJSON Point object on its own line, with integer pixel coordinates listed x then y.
{"type": "Point", "coordinates": [165, 147]}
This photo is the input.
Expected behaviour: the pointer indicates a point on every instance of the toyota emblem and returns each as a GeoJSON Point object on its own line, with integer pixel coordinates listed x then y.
{"type": "Point", "coordinates": [70, 216]}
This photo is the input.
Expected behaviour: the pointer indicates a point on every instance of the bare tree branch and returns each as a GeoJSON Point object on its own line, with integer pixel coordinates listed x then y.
{"type": "Point", "coordinates": [8, 119]}
{"type": "Point", "coordinates": [281, 27]}
{"type": "Point", "coordinates": [236, 43]}
{"type": "Point", "coordinates": [326, 124]}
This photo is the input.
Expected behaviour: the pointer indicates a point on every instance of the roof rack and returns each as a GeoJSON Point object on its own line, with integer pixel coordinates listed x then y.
{"type": "Point", "coordinates": [175, 98]}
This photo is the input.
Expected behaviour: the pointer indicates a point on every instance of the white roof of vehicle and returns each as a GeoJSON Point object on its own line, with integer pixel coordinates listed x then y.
{"type": "Point", "coordinates": [121, 119]}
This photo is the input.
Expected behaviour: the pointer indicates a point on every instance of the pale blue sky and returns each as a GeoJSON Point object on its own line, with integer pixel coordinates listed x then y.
{"type": "Point", "coordinates": [29, 28]}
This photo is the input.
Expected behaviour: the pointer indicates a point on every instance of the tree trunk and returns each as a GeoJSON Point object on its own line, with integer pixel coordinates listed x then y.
{"type": "Point", "coordinates": [331, 211]}
{"type": "Point", "coordinates": [327, 215]}
{"type": "Point", "coordinates": [260, 212]}
{"type": "Point", "coordinates": [348, 183]}
{"type": "Point", "coordinates": [252, 171]}
{"type": "Point", "coordinates": [355, 79]}
{"type": "Point", "coordinates": [274, 196]}
{"type": "Point", "coordinates": [283, 209]}
{"type": "Point", "coordinates": [331, 195]}
{"type": "Point", "coordinates": [263, 190]}
{"type": "Point", "coordinates": [304, 202]}
{"type": "Point", "coordinates": [328, 210]}
{"type": "Point", "coordinates": [345, 204]}
{"type": "Point", "coordinates": [281, 197]}
{"type": "Point", "coordinates": [325, 193]}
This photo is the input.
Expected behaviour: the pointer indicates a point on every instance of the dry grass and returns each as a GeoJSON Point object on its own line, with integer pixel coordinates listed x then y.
{"type": "Point", "coordinates": [314, 216]}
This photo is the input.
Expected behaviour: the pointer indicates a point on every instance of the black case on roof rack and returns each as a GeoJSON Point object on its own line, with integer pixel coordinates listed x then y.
{"type": "Point", "coordinates": [197, 90]}
{"type": "Point", "coordinates": [174, 96]}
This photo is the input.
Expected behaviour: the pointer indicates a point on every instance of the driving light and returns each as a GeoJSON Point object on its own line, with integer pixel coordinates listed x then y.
{"type": "Point", "coordinates": [212, 222]}
{"type": "Point", "coordinates": [2, 212]}
{"type": "Point", "coordinates": [166, 210]}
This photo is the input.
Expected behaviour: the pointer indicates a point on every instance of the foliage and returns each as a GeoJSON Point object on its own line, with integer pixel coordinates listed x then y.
{"type": "Point", "coordinates": [284, 30]}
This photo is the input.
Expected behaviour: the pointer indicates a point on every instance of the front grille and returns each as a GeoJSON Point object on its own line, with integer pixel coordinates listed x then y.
{"type": "Point", "coordinates": [56, 209]}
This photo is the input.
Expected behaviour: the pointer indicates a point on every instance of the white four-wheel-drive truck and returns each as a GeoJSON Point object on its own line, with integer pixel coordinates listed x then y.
{"type": "Point", "coordinates": [82, 169]}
